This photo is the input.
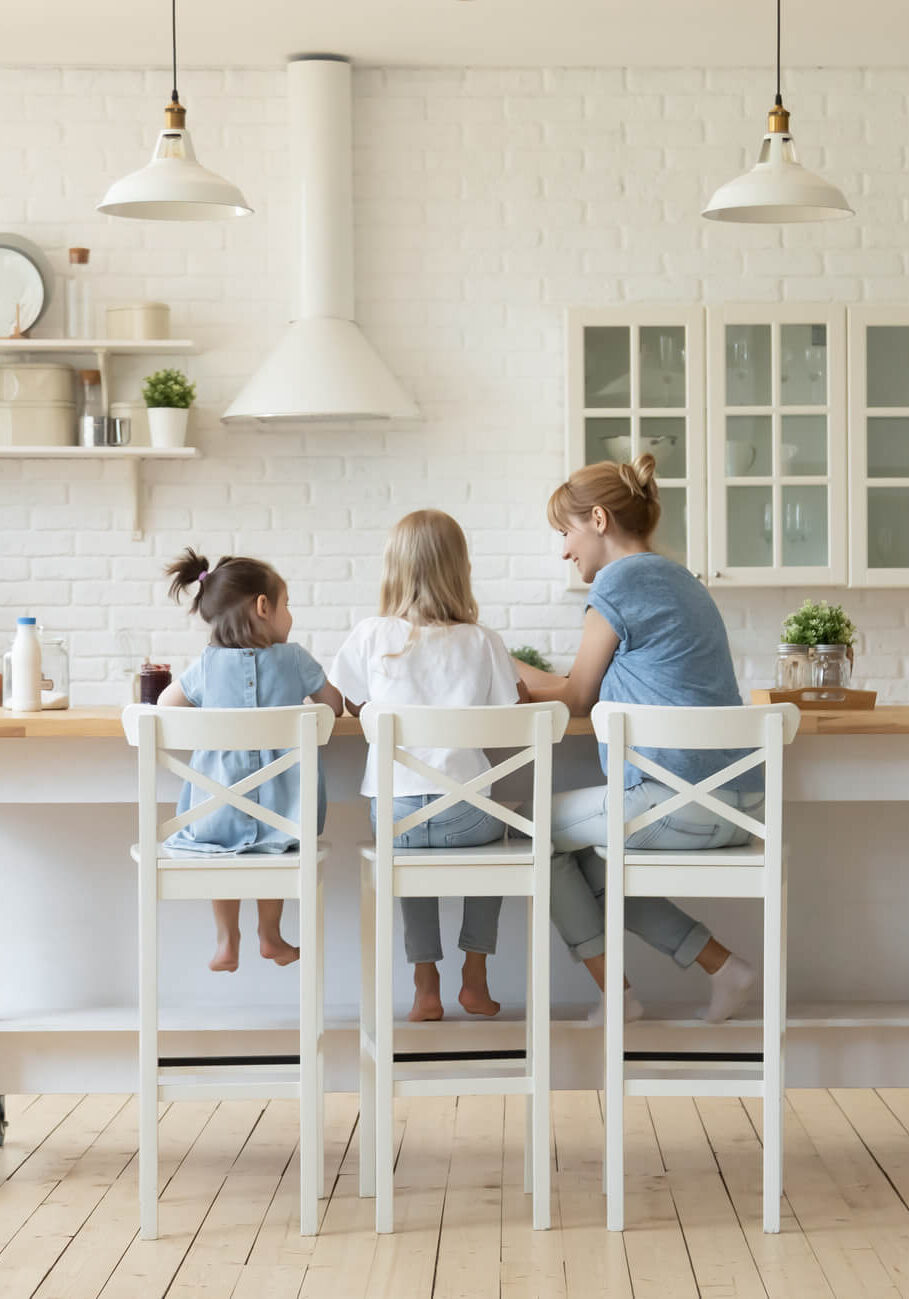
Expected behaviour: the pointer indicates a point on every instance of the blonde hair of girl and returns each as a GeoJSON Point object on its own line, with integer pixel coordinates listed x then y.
{"type": "Point", "coordinates": [426, 574]}
{"type": "Point", "coordinates": [628, 493]}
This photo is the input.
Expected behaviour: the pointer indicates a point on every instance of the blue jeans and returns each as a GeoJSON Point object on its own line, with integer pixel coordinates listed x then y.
{"type": "Point", "coordinates": [579, 873]}
{"type": "Point", "coordinates": [461, 826]}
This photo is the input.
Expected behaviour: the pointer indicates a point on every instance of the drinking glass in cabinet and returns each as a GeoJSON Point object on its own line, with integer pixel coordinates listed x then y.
{"type": "Point", "coordinates": [662, 365]}
{"type": "Point", "coordinates": [803, 365]}
{"type": "Point", "coordinates": [670, 538]}
{"type": "Point", "coordinates": [805, 527]}
{"type": "Point", "coordinates": [749, 527]}
{"type": "Point", "coordinates": [803, 448]}
{"type": "Point", "coordinates": [607, 370]}
{"type": "Point", "coordinates": [887, 357]}
{"type": "Point", "coordinates": [664, 437]}
{"type": "Point", "coordinates": [748, 365]}
{"type": "Point", "coordinates": [888, 446]}
{"type": "Point", "coordinates": [607, 439]}
{"type": "Point", "coordinates": [888, 527]}
{"type": "Point", "coordinates": [748, 442]}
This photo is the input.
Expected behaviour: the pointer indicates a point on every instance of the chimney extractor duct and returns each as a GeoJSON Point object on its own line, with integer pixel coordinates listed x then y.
{"type": "Point", "coordinates": [323, 367]}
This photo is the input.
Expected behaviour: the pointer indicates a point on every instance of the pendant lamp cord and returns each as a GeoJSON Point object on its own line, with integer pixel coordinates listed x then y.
{"type": "Point", "coordinates": [175, 98]}
{"type": "Point", "coordinates": [779, 97]}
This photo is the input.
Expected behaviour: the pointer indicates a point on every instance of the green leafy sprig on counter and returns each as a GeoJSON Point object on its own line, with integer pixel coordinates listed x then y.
{"type": "Point", "coordinates": [533, 658]}
{"type": "Point", "coordinates": [818, 623]}
{"type": "Point", "coordinates": [168, 388]}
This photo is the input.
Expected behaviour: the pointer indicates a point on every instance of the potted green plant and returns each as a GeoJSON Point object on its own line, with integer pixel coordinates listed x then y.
{"type": "Point", "coordinates": [829, 633]}
{"type": "Point", "coordinates": [527, 654]}
{"type": "Point", "coordinates": [168, 394]}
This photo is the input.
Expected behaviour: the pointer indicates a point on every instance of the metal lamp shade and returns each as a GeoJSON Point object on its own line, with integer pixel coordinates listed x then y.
{"type": "Point", "coordinates": [174, 187]}
{"type": "Point", "coordinates": [777, 188]}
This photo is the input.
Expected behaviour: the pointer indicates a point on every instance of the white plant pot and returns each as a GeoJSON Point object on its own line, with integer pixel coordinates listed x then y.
{"type": "Point", "coordinates": [167, 425]}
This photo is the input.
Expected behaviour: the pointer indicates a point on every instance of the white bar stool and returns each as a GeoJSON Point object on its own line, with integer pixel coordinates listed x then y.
{"type": "Point", "coordinates": [298, 730]}
{"type": "Point", "coordinates": [512, 868]}
{"type": "Point", "coordinates": [755, 870]}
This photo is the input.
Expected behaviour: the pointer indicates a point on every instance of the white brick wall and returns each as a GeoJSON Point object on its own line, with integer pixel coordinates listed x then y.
{"type": "Point", "coordinates": [486, 202]}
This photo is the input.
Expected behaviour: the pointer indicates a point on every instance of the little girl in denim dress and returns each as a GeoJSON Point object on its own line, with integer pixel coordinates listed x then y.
{"type": "Point", "coordinates": [426, 647]}
{"type": "Point", "coordinates": [248, 664]}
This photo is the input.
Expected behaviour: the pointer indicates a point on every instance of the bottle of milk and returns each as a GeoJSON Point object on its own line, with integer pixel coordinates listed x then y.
{"type": "Point", "coordinates": [26, 667]}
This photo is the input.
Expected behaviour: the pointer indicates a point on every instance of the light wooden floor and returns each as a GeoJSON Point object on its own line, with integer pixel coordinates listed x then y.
{"type": "Point", "coordinates": [68, 1214]}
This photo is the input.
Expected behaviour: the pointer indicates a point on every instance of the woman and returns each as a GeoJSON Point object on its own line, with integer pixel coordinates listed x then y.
{"type": "Point", "coordinates": [652, 635]}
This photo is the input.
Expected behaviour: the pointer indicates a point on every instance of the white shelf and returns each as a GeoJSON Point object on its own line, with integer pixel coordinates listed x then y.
{"type": "Point", "coordinates": [99, 453]}
{"type": "Point", "coordinates": [118, 346]}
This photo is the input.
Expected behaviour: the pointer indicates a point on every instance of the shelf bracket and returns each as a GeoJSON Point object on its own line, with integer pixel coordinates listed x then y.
{"type": "Point", "coordinates": [134, 475]}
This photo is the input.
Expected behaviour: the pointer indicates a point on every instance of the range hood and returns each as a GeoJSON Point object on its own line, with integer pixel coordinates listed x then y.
{"type": "Point", "coordinates": [323, 368]}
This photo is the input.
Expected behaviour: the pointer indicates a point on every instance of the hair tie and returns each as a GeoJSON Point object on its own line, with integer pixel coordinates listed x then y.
{"type": "Point", "coordinates": [203, 575]}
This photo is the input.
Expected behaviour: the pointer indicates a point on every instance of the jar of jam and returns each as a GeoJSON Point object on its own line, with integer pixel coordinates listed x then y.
{"type": "Point", "coordinates": [153, 677]}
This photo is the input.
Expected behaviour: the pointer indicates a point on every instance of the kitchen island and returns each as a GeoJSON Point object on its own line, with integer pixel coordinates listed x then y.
{"type": "Point", "coordinates": [68, 921]}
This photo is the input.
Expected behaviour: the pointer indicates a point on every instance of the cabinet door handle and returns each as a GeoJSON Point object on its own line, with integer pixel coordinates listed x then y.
{"type": "Point", "coordinates": [716, 573]}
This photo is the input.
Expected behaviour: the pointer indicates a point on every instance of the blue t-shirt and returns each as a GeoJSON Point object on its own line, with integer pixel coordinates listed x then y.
{"type": "Point", "coordinates": [672, 651]}
{"type": "Point", "coordinates": [246, 678]}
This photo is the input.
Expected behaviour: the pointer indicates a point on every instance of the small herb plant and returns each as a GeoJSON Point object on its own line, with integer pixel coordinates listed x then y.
{"type": "Point", "coordinates": [818, 623]}
{"type": "Point", "coordinates": [533, 658]}
{"type": "Point", "coordinates": [169, 388]}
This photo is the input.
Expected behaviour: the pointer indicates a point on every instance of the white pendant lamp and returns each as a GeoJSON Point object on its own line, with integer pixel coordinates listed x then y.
{"type": "Point", "coordinates": [778, 188]}
{"type": "Point", "coordinates": [174, 187]}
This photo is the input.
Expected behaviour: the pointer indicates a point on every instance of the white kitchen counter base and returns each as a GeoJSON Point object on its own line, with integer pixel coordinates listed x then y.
{"type": "Point", "coordinates": [68, 924]}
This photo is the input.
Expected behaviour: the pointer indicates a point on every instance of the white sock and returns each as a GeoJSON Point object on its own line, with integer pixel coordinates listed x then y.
{"type": "Point", "coordinates": [729, 988]}
{"type": "Point", "coordinates": [633, 1009]}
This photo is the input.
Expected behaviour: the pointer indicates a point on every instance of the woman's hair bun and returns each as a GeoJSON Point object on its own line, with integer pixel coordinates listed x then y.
{"type": "Point", "coordinates": [644, 468]}
{"type": "Point", "coordinates": [638, 476]}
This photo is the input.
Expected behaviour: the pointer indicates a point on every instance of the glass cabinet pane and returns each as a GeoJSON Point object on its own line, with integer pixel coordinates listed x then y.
{"type": "Point", "coordinates": [670, 537]}
{"type": "Point", "coordinates": [607, 370]}
{"type": "Point", "coordinates": [748, 446]}
{"type": "Point", "coordinates": [888, 446]}
{"type": "Point", "coordinates": [805, 527]}
{"type": "Point", "coordinates": [803, 448]}
{"type": "Point", "coordinates": [748, 365]}
{"type": "Point", "coordinates": [803, 365]}
{"type": "Point", "coordinates": [662, 365]}
{"type": "Point", "coordinates": [664, 437]}
{"type": "Point", "coordinates": [887, 353]}
{"type": "Point", "coordinates": [888, 527]}
{"type": "Point", "coordinates": [607, 439]}
{"type": "Point", "coordinates": [749, 527]}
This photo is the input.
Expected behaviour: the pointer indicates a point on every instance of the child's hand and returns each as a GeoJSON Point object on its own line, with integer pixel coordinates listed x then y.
{"type": "Point", "coordinates": [523, 693]}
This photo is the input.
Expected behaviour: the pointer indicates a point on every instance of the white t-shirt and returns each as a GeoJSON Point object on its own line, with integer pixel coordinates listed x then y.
{"type": "Point", "coordinates": [458, 665]}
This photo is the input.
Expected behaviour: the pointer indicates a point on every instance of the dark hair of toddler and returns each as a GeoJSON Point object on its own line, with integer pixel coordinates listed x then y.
{"type": "Point", "coordinates": [227, 595]}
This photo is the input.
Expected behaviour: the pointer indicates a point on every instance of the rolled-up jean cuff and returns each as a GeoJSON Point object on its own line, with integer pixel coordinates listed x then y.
{"type": "Point", "coordinates": [590, 947]}
{"type": "Point", "coordinates": [692, 945]}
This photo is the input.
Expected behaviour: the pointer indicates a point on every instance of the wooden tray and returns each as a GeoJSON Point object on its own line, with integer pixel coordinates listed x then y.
{"type": "Point", "coordinates": [815, 698]}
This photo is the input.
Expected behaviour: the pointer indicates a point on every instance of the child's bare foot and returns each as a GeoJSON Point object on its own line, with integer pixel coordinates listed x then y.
{"type": "Point", "coordinates": [427, 1000]}
{"type": "Point", "coordinates": [277, 950]}
{"type": "Point", "coordinates": [226, 957]}
{"type": "Point", "coordinates": [474, 995]}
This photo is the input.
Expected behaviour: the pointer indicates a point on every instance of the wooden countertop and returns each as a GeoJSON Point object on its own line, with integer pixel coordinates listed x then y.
{"type": "Point", "coordinates": [104, 723]}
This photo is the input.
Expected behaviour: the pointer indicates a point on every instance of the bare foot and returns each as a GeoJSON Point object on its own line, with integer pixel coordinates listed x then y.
{"type": "Point", "coordinates": [427, 1001]}
{"type": "Point", "coordinates": [278, 951]}
{"type": "Point", "coordinates": [474, 995]}
{"type": "Point", "coordinates": [226, 957]}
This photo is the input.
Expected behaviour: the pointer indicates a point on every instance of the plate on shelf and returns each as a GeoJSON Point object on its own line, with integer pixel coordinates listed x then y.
{"type": "Point", "coordinates": [26, 282]}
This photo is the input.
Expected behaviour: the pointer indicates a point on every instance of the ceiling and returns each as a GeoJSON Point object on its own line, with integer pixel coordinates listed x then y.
{"type": "Point", "coordinates": [492, 33]}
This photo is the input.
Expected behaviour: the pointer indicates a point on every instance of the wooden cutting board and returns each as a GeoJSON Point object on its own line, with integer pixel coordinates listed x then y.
{"type": "Point", "coordinates": [818, 698]}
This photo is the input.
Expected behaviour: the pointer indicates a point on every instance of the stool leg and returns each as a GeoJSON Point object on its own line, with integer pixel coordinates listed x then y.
{"type": "Point", "coordinates": [320, 1037]}
{"type": "Point", "coordinates": [384, 1040]}
{"type": "Point", "coordinates": [614, 1041]}
{"type": "Point", "coordinates": [774, 1012]}
{"type": "Point", "coordinates": [367, 1031]}
{"type": "Point", "coordinates": [309, 1067]}
{"type": "Point", "coordinates": [540, 1094]}
{"type": "Point", "coordinates": [528, 1055]}
{"type": "Point", "coordinates": [148, 1059]}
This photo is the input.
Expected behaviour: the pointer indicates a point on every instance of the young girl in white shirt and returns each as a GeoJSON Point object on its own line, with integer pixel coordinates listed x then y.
{"type": "Point", "coordinates": [426, 647]}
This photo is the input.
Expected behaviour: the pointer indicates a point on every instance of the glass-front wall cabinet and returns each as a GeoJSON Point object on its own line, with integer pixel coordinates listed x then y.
{"type": "Point", "coordinates": [776, 382]}
{"type": "Point", "coordinates": [635, 384]}
{"type": "Point", "coordinates": [879, 445]}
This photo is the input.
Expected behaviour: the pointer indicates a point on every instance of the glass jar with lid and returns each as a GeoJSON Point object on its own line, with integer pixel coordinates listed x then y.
{"type": "Point", "coordinates": [792, 670]}
{"type": "Point", "coordinates": [831, 666]}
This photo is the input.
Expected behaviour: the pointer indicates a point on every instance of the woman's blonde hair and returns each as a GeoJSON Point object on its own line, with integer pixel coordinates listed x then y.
{"type": "Point", "coordinates": [628, 493]}
{"type": "Point", "coordinates": [426, 574]}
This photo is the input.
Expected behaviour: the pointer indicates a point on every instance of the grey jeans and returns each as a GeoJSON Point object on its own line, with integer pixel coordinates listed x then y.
{"type": "Point", "coordinates": [461, 826]}
{"type": "Point", "coordinates": [579, 873]}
